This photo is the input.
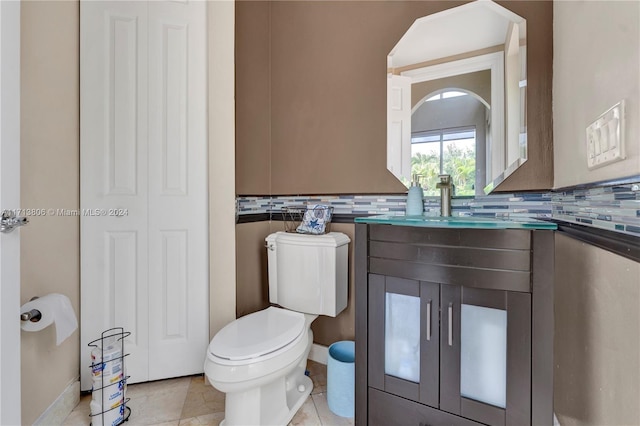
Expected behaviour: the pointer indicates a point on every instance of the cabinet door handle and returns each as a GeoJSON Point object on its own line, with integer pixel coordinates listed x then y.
{"type": "Point", "coordinates": [450, 325]}
{"type": "Point", "coordinates": [429, 320]}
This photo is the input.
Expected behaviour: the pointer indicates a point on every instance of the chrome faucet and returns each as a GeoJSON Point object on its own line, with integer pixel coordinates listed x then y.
{"type": "Point", "coordinates": [446, 188]}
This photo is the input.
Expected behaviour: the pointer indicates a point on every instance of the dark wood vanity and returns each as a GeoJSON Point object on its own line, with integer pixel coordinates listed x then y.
{"type": "Point", "coordinates": [444, 278]}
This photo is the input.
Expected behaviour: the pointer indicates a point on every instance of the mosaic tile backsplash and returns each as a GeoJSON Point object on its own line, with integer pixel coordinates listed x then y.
{"type": "Point", "coordinates": [615, 208]}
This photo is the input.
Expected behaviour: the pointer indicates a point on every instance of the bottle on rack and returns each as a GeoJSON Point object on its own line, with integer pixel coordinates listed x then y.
{"type": "Point", "coordinates": [415, 198]}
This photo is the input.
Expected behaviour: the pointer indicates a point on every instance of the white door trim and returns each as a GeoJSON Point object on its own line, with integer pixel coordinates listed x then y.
{"type": "Point", "coordinates": [222, 188]}
{"type": "Point", "coordinates": [10, 407]}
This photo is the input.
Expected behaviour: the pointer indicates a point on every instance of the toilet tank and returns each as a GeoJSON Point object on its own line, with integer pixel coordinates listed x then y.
{"type": "Point", "coordinates": [309, 273]}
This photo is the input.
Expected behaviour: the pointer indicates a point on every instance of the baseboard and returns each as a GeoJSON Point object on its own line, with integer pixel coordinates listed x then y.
{"type": "Point", "coordinates": [62, 406]}
{"type": "Point", "coordinates": [319, 353]}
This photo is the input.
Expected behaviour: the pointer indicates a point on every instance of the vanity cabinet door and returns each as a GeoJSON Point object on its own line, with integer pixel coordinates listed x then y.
{"type": "Point", "coordinates": [485, 353]}
{"type": "Point", "coordinates": [404, 338]}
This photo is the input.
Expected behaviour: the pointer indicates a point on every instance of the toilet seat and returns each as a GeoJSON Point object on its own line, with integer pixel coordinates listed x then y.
{"type": "Point", "coordinates": [262, 334]}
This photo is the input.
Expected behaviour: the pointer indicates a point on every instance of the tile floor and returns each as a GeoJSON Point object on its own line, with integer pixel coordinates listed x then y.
{"type": "Point", "coordinates": [193, 401]}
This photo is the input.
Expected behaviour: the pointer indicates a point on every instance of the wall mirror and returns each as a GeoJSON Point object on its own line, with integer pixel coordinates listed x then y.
{"type": "Point", "coordinates": [456, 98]}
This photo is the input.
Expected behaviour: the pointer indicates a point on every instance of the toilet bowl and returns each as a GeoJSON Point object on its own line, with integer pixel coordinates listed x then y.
{"type": "Point", "coordinates": [259, 361]}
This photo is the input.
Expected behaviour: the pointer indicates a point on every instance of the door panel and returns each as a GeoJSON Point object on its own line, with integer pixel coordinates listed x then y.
{"type": "Point", "coordinates": [501, 325]}
{"type": "Point", "coordinates": [178, 219]}
{"type": "Point", "coordinates": [404, 337]}
{"type": "Point", "coordinates": [113, 171]}
{"type": "Point", "coordinates": [144, 153]}
{"type": "Point", "coordinates": [399, 126]}
{"type": "Point", "coordinates": [122, 103]}
{"type": "Point", "coordinates": [120, 294]}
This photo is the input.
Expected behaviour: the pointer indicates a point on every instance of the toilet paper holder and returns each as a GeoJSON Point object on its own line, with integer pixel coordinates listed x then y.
{"type": "Point", "coordinates": [33, 315]}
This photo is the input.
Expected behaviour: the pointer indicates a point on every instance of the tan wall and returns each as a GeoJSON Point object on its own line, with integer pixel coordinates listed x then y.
{"type": "Point", "coordinates": [253, 283]}
{"type": "Point", "coordinates": [50, 256]}
{"type": "Point", "coordinates": [597, 350]}
{"type": "Point", "coordinates": [252, 290]}
{"type": "Point", "coordinates": [597, 323]}
{"type": "Point", "coordinates": [253, 98]}
{"type": "Point", "coordinates": [326, 105]}
{"type": "Point", "coordinates": [596, 57]}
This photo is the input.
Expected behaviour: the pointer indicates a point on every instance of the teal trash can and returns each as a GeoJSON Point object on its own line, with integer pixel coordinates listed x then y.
{"type": "Point", "coordinates": [341, 378]}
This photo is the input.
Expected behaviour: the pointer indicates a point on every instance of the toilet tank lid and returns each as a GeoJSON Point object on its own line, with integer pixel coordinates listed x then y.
{"type": "Point", "coordinates": [257, 334]}
{"type": "Point", "coordinates": [332, 239]}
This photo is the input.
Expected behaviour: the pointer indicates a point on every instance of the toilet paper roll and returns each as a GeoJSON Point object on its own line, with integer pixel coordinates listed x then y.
{"type": "Point", "coordinates": [107, 361]}
{"type": "Point", "coordinates": [109, 396]}
{"type": "Point", "coordinates": [55, 309]}
{"type": "Point", "coordinates": [109, 417]}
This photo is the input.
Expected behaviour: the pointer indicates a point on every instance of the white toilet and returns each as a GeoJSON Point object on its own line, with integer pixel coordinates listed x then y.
{"type": "Point", "coordinates": [259, 360]}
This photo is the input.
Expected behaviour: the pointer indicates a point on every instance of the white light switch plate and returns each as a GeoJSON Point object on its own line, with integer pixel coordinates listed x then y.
{"type": "Point", "coordinates": [605, 137]}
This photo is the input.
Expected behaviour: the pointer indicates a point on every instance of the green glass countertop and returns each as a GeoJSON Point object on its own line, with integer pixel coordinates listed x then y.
{"type": "Point", "coordinates": [474, 222]}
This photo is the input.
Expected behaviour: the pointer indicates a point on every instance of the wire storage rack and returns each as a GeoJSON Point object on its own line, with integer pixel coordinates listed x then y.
{"type": "Point", "coordinates": [307, 219]}
{"type": "Point", "coordinates": [292, 216]}
{"type": "Point", "coordinates": [109, 402]}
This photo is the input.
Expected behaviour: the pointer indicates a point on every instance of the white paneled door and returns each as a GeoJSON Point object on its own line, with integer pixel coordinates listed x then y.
{"type": "Point", "coordinates": [144, 229]}
{"type": "Point", "coordinates": [399, 126]}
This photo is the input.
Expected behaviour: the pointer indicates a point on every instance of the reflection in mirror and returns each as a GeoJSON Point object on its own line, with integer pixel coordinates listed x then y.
{"type": "Point", "coordinates": [456, 98]}
{"type": "Point", "coordinates": [445, 151]}
{"type": "Point", "coordinates": [449, 129]}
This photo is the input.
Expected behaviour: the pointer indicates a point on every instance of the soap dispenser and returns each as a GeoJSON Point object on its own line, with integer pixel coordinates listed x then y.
{"type": "Point", "coordinates": [415, 202]}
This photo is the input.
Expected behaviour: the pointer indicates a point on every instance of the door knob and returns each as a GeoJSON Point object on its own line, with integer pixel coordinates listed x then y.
{"type": "Point", "coordinates": [9, 221]}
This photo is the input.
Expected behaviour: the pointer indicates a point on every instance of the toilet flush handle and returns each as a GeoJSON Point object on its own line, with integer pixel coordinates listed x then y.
{"type": "Point", "coordinates": [271, 247]}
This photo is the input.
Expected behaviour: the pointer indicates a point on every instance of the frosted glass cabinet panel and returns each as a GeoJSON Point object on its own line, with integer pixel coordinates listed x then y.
{"type": "Point", "coordinates": [483, 354]}
{"type": "Point", "coordinates": [486, 354]}
{"type": "Point", "coordinates": [402, 336]}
